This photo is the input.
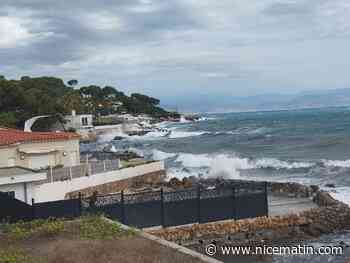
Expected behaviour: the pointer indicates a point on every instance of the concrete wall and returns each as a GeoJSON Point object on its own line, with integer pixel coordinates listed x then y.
{"type": "Point", "coordinates": [11, 154]}
{"type": "Point", "coordinates": [8, 156]}
{"type": "Point", "coordinates": [58, 190]}
{"type": "Point", "coordinates": [23, 191]}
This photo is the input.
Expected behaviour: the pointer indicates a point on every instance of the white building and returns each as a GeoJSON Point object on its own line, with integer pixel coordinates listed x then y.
{"type": "Point", "coordinates": [81, 123]}
{"type": "Point", "coordinates": [37, 150]}
{"type": "Point", "coordinates": [19, 182]}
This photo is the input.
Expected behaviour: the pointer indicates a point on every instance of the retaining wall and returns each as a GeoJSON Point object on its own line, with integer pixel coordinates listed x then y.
{"type": "Point", "coordinates": [109, 181]}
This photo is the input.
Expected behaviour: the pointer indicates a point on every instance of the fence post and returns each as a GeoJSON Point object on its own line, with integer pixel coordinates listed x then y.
{"type": "Point", "coordinates": [33, 209]}
{"type": "Point", "coordinates": [123, 206]}
{"type": "Point", "coordinates": [80, 204]}
{"type": "Point", "coordinates": [199, 203]}
{"type": "Point", "coordinates": [70, 173]}
{"type": "Point", "coordinates": [266, 200]}
{"type": "Point", "coordinates": [51, 174]}
{"type": "Point", "coordinates": [234, 203]}
{"type": "Point", "coordinates": [162, 215]}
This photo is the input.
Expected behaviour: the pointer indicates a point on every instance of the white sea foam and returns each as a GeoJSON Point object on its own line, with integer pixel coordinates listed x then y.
{"type": "Point", "coordinates": [183, 120]}
{"type": "Point", "coordinates": [337, 163]}
{"type": "Point", "coordinates": [159, 155]}
{"type": "Point", "coordinates": [342, 194]}
{"type": "Point", "coordinates": [183, 134]}
{"type": "Point", "coordinates": [278, 164]}
{"type": "Point", "coordinates": [207, 160]}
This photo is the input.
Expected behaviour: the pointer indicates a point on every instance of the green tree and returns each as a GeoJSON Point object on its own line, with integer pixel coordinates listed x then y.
{"type": "Point", "coordinates": [8, 119]}
{"type": "Point", "coordinates": [72, 82]}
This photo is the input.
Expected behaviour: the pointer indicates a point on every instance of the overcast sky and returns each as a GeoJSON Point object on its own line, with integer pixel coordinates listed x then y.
{"type": "Point", "coordinates": [170, 48]}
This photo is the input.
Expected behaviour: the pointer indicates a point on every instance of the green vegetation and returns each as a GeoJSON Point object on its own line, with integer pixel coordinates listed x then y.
{"type": "Point", "coordinates": [28, 97]}
{"type": "Point", "coordinates": [16, 239]}
{"type": "Point", "coordinates": [95, 227]}
{"type": "Point", "coordinates": [13, 255]}
{"type": "Point", "coordinates": [87, 227]}
{"type": "Point", "coordinates": [40, 227]}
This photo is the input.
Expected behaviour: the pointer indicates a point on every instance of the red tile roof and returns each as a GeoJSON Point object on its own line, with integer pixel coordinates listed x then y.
{"type": "Point", "coordinates": [11, 136]}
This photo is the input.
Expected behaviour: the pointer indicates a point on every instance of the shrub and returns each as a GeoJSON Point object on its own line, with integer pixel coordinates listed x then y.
{"type": "Point", "coordinates": [95, 227]}
{"type": "Point", "coordinates": [44, 227]}
{"type": "Point", "coordinates": [14, 256]}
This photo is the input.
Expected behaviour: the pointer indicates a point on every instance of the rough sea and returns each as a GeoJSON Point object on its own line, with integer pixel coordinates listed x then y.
{"type": "Point", "coordinates": [308, 146]}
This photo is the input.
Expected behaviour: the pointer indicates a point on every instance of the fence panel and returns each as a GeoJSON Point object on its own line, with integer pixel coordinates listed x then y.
{"type": "Point", "coordinates": [143, 210]}
{"type": "Point", "coordinates": [13, 210]}
{"type": "Point", "coordinates": [250, 205]}
{"type": "Point", "coordinates": [112, 165]}
{"type": "Point", "coordinates": [58, 209]}
{"type": "Point", "coordinates": [79, 171]}
{"type": "Point", "coordinates": [217, 204]}
{"type": "Point", "coordinates": [181, 207]}
{"type": "Point", "coordinates": [108, 205]}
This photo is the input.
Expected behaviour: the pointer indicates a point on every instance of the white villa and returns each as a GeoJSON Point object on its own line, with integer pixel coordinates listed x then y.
{"type": "Point", "coordinates": [24, 154]}
{"type": "Point", "coordinates": [36, 150]}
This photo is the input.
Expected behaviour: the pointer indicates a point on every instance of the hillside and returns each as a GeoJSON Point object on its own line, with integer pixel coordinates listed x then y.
{"type": "Point", "coordinates": [27, 97]}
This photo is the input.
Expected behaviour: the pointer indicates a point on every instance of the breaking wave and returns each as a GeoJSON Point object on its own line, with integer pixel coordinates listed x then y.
{"type": "Point", "coordinates": [183, 134]}
{"type": "Point", "coordinates": [227, 165]}
{"type": "Point", "coordinates": [337, 163]}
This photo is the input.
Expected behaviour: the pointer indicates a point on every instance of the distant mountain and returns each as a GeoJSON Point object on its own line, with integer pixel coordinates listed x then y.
{"type": "Point", "coordinates": [309, 99]}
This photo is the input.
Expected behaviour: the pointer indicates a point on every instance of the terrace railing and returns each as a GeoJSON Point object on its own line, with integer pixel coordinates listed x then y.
{"type": "Point", "coordinates": [86, 169]}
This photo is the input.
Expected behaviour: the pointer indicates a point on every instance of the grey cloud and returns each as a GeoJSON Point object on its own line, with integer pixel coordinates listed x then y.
{"type": "Point", "coordinates": [290, 8]}
{"type": "Point", "coordinates": [195, 43]}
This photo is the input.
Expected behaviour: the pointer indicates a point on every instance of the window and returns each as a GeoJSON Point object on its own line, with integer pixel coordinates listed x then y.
{"type": "Point", "coordinates": [11, 194]}
{"type": "Point", "coordinates": [84, 121]}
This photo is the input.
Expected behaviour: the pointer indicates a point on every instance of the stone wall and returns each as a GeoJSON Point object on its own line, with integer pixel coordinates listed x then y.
{"type": "Point", "coordinates": [116, 186]}
{"type": "Point", "coordinates": [330, 216]}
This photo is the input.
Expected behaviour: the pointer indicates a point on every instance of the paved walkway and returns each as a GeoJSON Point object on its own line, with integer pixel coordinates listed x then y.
{"type": "Point", "coordinates": [288, 205]}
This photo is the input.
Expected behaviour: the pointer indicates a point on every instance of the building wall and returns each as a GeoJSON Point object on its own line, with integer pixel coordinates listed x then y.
{"type": "Point", "coordinates": [8, 155]}
{"type": "Point", "coordinates": [76, 121]}
{"type": "Point", "coordinates": [70, 147]}
{"type": "Point", "coordinates": [58, 190]}
{"type": "Point", "coordinates": [23, 191]}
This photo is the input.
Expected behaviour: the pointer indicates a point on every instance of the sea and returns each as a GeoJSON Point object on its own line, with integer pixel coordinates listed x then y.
{"type": "Point", "coordinates": [309, 146]}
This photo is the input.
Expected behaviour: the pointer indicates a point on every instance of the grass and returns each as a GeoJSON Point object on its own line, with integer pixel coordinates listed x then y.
{"type": "Point", "coordinates": [95, 227]}
{"type": "Point", "coordinates": [88, 227]}
{"type": "Point", "coordinates": [88, 239]}
{"type": "Point", "coordinates": [41, 227]}
{"type": "Point", "coordinates": [14, 255]}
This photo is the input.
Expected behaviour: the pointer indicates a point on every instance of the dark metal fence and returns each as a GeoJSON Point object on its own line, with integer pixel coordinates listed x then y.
{"type": "Point", "coordinates": [182, 207]}
{"type": "Point", "coordinates": [156, 208]}
{"type": "Point", "coordinates": [57, 209]}
{"type": "Point", "coordinates": [13, 210]}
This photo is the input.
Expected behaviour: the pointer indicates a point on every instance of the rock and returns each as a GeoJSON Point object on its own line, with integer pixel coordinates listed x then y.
{"type": "Point", "coordinates": [175, 183]}
{"type": "Point", "coordinates": [330, 185]}
{"type": "Point", "coordinates": [187, 183]}
{"type": "Point", "coordinates": [314, 188]}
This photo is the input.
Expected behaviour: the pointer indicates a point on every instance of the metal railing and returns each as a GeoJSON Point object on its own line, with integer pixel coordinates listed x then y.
{"type": "Point", "coordinates": [86, 169]}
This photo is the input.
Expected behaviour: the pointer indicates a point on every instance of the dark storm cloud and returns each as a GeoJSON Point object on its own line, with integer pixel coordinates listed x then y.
{"type": "Point", "coordinates": [72, 28]}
